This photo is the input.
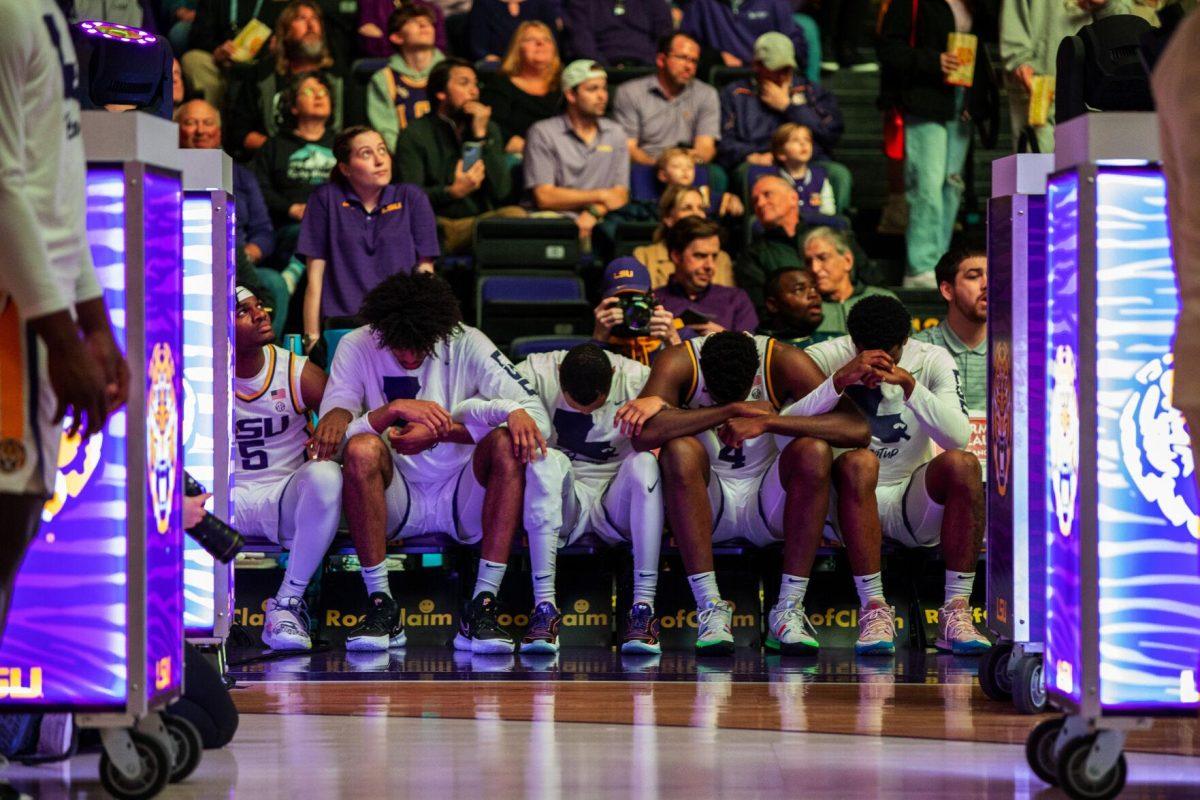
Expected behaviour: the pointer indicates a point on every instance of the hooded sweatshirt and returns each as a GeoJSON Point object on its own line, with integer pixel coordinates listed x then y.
{"type": "Point", "coordinates": [397, 96]}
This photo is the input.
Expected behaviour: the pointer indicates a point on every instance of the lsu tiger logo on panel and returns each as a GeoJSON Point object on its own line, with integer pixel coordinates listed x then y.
{"type": "Point", "coordinates": [162, 430]}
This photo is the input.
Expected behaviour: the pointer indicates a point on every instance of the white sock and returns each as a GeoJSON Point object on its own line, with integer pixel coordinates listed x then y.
{"type": "Point", "coordinates": [792, 586]}
{"type": "Point", "coordinates": [959, 584]}
{"type": "Point", "coordinates": [704, 588]}
{"type": "Point", "coordinates": [376, 578]}
{"type": "Point", "coordinates": [543, 586]}
{"type": "Point", "coordinates": [870, 587]}
{"type": "Point", "coordinates": [645, 586]}
{"type": "Point", "coordinates": [490, 575]}
{"type": "Point", "coordinates": [291, 587]}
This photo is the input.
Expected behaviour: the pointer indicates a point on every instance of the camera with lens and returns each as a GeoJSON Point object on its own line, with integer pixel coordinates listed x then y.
{"type": "Point", "coordinates": [217, 538]}
{"type": "Point", "coordinates": [637, 308]}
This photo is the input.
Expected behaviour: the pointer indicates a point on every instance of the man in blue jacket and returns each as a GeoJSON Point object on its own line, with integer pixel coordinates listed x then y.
{"type": "Point", "coordinates": [731, 27]}
{"type": "Point", "coordinates": [751, 110]}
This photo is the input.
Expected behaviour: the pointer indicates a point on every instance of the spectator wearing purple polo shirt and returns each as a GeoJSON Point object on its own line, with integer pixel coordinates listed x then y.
{"type": "Point", "coordinates": [699, 306]}
{"type": "Point", "coordinates": [359, 229]}
{"type": "Point", "coordinates": [616, 32]}
{"type": "Point", "coordinates": [578, 163]}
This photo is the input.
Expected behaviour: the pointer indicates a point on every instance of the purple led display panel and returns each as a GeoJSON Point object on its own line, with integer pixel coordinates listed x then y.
{"type": "Point", "coordinates": [1147, 507]}
{"type": "Point", "coordinates": [66, 642]}
{"type": "Point", "coordinates": [164, 465]}
{"type": "Point", "coordinates": [1063, 656]}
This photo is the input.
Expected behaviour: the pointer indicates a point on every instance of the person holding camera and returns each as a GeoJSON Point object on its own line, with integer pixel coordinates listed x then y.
{"type": "Point", "coordinates": [629, 320]}
{"type": "Point", "coordinates": [457, 156]}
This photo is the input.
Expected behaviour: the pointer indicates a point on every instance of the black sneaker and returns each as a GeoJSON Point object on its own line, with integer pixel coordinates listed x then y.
{"type": "Point", "coordinates": [479, 628]}
{"type": "Point", "coordinates": [380, 628]}
{"type": "Point", "coordinates": [542, 634]}
{"type": "Point", "coordinates": [641, 631]}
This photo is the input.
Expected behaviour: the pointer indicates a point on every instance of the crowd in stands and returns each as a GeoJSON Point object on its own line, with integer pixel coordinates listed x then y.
{"type": "Point", "coordinates": [371, 137]}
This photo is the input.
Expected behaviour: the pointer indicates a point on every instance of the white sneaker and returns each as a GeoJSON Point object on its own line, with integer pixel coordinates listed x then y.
{"type": "Point", "coordinates": [957, 633]}
{"type": "Point", "coordinates": [876, 631]}
{"type": "Point", "coordinates": [790, 631]}
{"type": "Point", "coordinates": [864, 67]}
{"type": "Point", "coordinates": [714, 636]}
{"type": "Point", "coordinates": [286, 625]}
{"type": "Point", "coordinates": [830, 66]}
{"type": "Point", "coordinates": [924, 280]}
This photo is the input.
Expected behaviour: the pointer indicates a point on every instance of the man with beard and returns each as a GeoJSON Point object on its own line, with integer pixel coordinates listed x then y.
{"type": "Point", "coordinates": [962, 280]}
{"type": "Point", "coordinates": [298, 47]}
{"type": "Point", "coordinates": [793, 306]}
{"type": "Point", "coordinates": [670, 108]}
{"type": "Point", "coordinates": [433, 152]}
{"type": "Point", "coordinates": [578, 162]}
{"type": "Point", "coordinates": [281, 491]}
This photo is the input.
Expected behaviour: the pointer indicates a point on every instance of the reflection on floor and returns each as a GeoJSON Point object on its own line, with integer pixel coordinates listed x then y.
{"type": "Point", "coordinates": [365, 758]}
{"type": "Point", "coordinates": [599, 664]}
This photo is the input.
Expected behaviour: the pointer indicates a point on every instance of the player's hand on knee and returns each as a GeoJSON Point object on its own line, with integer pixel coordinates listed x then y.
{"type": "Point", "coordinates": [527, 438]}
{"type": "Point", "coordinates": [632, 416]}
{"type": "Point", "coordinates": [328, 436]}
{"type": "Point", "coordinates": [737, 430]}
{"type": "Point", "coordinates": [423, 412]}
{"type": "Point", "coordinates": [412, 438]}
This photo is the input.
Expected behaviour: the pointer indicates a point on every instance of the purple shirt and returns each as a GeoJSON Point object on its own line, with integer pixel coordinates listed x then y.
{"type": "Point", "coordinates": [360, 249]}
{"type": "Point", "coordinates": [727, 306]}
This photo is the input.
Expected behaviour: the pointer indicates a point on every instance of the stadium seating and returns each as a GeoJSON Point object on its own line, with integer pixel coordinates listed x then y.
{"type": "Point", "coordinates": [534, 243]}
{"type": "Point", "coordinates": [524, 346]}
{"type": "Point", "coordinates": [530, 304]}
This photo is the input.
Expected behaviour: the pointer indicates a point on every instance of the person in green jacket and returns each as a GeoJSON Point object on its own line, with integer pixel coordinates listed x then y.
{"type": "Point", "coordinates": [1030, 33]}
{"type": "Point", "coordinates": [398, 93]}
{"type": "Point", "coordinates": [456, 154]}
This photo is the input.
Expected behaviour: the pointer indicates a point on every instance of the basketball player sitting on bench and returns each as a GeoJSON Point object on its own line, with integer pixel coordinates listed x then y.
{"type": "Point", "coordinates": [724, 476]}
{"type": "Point", "coordinates": [911, 395]}
{"type": "Point", "coordinates": [278, 492]}
{"type": "Point", "coordinates": [415, 463]}
{"type": "Point", "coordinates": [598, 483]}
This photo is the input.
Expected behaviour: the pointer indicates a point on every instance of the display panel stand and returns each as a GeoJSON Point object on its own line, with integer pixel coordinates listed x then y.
{"type": "Point", "coordinates": [1012, 669]}
{"type": "Point", "coordinates": [209, 275]}
{"type": "Point", "coordinates": [1123, 605]}
{"type": "Point", "coordinates": [97, 617]}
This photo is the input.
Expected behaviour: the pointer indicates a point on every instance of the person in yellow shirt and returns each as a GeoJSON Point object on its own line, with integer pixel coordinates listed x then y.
{"type": "Point", "coordinates": [678, 202]}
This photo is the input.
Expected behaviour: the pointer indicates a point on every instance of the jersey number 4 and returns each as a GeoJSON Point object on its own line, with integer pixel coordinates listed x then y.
{"type": "Point", "coordinates": [733, 456]}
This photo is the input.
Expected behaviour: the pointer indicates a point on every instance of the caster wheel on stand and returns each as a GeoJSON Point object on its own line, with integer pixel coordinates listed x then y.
{"type": "Point", "coordinates": [1078, 782]}
{"type": "Point", "coordinates": [1028, 691]}
{"type": "Point", "coordinates": [188, 746]}
{"type": "Point", "coordinates": [152, 777]}
{"type": "Point", "coordinates": [1039, 750]}
{"type": "Point", "coordinates": [993, 672]}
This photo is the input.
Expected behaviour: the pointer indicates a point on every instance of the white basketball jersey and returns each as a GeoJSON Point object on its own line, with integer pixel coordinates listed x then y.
{"type": "Point", "coordinates": [270, 423]}
{"type": "Point", "coordinates": [466, 366]}
{"type": "Point", "coordinates": [755, 456]}
{"type": "Point", "coordinates": [592, 441]}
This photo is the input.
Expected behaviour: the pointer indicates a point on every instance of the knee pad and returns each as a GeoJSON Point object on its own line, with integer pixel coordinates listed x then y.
{"type": "Point", "coordinates": [322, 480]}
{"type": "Point", "coordinates": [644, 467]}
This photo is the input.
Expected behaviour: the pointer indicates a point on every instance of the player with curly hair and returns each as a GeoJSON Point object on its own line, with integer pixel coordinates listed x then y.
{"type": "Point", "coordinates": [725, 398]}
{"type": "Point", "coordinates": [418, 459]}
{"type": "Point", "coordinates": [910, 392]}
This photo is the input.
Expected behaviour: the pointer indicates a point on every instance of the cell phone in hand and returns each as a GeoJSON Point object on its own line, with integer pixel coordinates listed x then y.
{"type": "Point", "coordinates": [471, 152]}
{"type": "Point", "coordinates": [692, 317]}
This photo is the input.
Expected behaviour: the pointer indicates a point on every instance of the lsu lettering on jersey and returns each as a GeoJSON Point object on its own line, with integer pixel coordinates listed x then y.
{"type": "Point", "coordinates": [755, 456]}
{"type": "Point", "coordinates": [365, 376]}
{"type": "Point", "coordinates": [270, 423]}
{"type": "Point", "coordinates": [902, 430]}
{"type": "Point", "coordinates": [593, 443]}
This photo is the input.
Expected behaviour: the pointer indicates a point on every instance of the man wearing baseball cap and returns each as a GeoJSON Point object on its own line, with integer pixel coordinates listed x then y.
{"type": "Point", "coordinates": [752, 109]}
{"type": "Point", "coordinates": [578, 163]}
{"type": "Point", "coordinates": [627, 278]}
